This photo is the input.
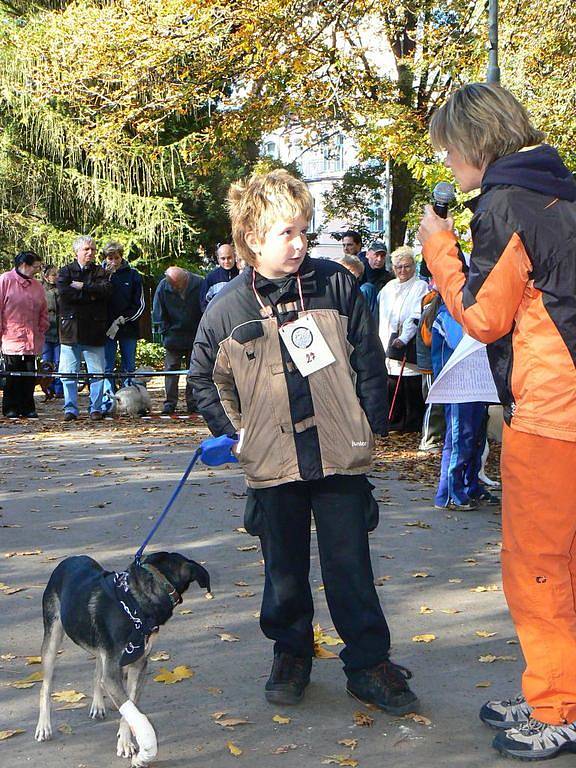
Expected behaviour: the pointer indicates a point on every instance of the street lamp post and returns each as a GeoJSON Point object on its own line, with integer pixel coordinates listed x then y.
{"type": "Point", "coordinates": [493, 73]}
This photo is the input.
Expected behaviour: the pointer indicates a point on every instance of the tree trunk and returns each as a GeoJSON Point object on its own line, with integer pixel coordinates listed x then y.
{"type": "Point", "coordinates": [402, 194]}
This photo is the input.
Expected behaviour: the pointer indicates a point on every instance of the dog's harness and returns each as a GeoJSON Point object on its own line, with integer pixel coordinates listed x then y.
{"type": "Point", "coordinates": [117, 585]}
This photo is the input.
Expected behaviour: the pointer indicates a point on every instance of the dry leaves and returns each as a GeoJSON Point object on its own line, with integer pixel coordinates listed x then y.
{"type": "Point", "coordinates": [486, 588]}
{"type": "Point", "coordinates": [484, 633]}
{"type": "Point", "coordinates": [350, 743]}
{"type": "Point", "coordinates": [483, 684]}
{"type": "Point", "coordinates": [363, 720]}
{"type": "Point", "coordinates": [424, 609]}
{"type": "Point", "coordinates": [8, 734]}
{"type": "Point", "coordinates": [233, 749]}
{"type": "Point", "coordinates": [420, 575]}
{"type": "Point", "coordinates": [428, 638]}
{"type": "Point", "coordinates": [284, 748]}
{"type": "Point", "coordinates": [227, 638]}
{"type": "Point", "coordinates": [420, 719]}
{"type": "Point", "coordinates": [26, 553]}
{"type": "Point", "coordinates": [282, 720]}
{"type": "Point", "coordinates": [68, 697]}
{"type": "Point", "coordinates": [27, 682]}
{"type": "Point", "coordinates": [182, 672]}
{"type": "Point", "coordinates": [33, 659]}
{"type": "Point", "coordinates": [418, 524]}
{"type": "Point", "coordinates": [339, 760]}
{"type": "Point", "coordinates": [159, 656]}
{"type": "Point", "coordinates": [490, 658]}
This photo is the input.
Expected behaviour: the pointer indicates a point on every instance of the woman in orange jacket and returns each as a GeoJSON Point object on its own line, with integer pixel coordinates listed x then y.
{"type": "Point", "coordinates": [519, 297]}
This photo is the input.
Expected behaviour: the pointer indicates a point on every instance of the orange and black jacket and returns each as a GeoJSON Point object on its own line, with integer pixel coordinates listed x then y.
{"type": "Point", "coordinates": [519, 295]}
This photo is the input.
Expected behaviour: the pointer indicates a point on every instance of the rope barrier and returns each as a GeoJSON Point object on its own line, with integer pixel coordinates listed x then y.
{"type": "Point", "coordinates": [87, 375]}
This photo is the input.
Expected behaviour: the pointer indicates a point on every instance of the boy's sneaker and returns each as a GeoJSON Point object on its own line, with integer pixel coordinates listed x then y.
{"type": "Point", "coordinates": [455, 507]}
{"type": "Point", "coordinates": [536, 741]}
{"type": "Point", "coordinates": [505, 714]}
{"type": "Point", "coordinates": [288, 679]}
{"type": "Point", "coordinates": [383, 686]}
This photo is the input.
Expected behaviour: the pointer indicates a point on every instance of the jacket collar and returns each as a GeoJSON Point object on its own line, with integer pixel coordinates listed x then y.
{"type": "Point", "coordinates": [287, 289]}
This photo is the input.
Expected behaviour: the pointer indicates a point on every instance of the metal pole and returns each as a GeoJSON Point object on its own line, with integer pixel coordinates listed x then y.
{"type": "Point", "coordinates": [493, 73]}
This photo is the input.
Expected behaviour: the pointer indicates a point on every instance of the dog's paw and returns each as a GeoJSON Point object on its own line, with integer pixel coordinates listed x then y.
{"type": "Point", "coordinates": [125, 746]}
{"type": "Point", "coordinates": [98, 709]}
{"type": "Point", "coordinates": [43, 732]}
{"type": "Point", "coordinates": [138, 762]}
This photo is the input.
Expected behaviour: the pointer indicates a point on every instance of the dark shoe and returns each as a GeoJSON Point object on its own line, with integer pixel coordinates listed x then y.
{"type": "Point", "coordinates": [383, 686]}
{"type": "Point", "coordinates": [11, 415]}
{"type": "Point", "coordinates": [487, 498]}
{"type": "Point", "coordinates": [30, 415]}
{"type": "Point", "coordinates": [454, 507]}
{"type": "Point", "coordinates": [288, 679]}
{"type": "Point", "coordinates": [505, 714]}
{"type": "Point", "coordinates": [168, 410]}
{"type": "Point", "coordinates": [70, 416]}
{"type": "Point", "coordinates": [536, 741]}
{"type": "Point", "coordinates": [96, 416]}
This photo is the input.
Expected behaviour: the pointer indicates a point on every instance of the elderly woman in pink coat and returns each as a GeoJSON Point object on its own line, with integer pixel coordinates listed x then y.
{"type": "Point", "coordinates": [23, 324]}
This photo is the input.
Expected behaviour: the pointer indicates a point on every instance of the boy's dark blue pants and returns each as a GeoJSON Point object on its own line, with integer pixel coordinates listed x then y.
{"type": "Point", "coordinates": [339, 505]}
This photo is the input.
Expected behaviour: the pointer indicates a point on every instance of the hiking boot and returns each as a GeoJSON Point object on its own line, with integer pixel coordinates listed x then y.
{"type": "Point", "coordinates": [11, 415]}
{"type": "Point", "coordinates": [383, 686]}
{"type": "Point", "coordinates": [288, 679]}
{"type": "Point", "coordinates": [534, 740]}
{"type": "Point", "coordinates": [168, 410]}
{"type": "Point", "coordinates": [96, 416]}
{"type": "Point", "coordinates": [505, 714]}
{"type": "Point", "coordinates": [70, 416]}
{"type": "Point", "coordinates": [30, 415]}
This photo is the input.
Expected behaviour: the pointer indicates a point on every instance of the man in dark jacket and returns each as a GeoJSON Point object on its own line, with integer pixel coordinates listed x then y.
{"type": "Point", "coordinates": [177, 312]}
{"type": "Point", "coordinates": [219, 277]}
{"type": "Point", "coordinates": [124, 309]}
{"type": "Point", "coordinates": [84, 290]}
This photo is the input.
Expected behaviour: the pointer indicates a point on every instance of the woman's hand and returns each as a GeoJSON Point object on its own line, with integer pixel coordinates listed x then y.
{"type": "Point", "coordinates": [432, 223]}
{"type": "Point", "coordinates": [398, 344]}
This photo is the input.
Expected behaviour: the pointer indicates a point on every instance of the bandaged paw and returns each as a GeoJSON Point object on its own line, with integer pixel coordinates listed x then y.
{"type": "Point", "coordinates": [143, 733]}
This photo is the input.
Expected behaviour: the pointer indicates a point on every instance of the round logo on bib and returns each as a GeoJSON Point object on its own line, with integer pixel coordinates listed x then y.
{"type": "Point", "coordinates": [302, 337]}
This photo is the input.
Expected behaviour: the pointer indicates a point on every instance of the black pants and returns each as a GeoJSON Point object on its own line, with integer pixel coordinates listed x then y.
{"type": "Point", "coordinates": [339, 504]}
{"type": "Point", "coordinates": [176, 360]}
{"type": "Point", "coordinates": [19, 392]}
{"type": "Point", "coordinates": [408, 411]}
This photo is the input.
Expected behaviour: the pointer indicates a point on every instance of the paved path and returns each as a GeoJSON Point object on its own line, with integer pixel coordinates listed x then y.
{"type": "Point", "coordinates": [96, 488]}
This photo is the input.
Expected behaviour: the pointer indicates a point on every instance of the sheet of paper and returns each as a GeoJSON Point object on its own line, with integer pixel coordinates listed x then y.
{"type": "Point", "coordinates": [466, 377]}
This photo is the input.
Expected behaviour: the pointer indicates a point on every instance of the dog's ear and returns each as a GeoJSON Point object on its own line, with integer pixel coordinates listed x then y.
{"type": "Point", "coordinates": [200, 574]}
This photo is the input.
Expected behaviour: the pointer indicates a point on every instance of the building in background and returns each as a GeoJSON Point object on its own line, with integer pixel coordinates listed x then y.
{"type": "Point", "coordinates": [322, 165]}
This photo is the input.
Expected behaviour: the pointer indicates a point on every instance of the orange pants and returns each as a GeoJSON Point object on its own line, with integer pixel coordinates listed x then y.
{"type": "Point", "coordinates": [539, 567]}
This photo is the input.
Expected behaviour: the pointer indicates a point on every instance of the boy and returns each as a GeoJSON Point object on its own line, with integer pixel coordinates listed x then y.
{"type": "Point", "coordinates": [287, 357]}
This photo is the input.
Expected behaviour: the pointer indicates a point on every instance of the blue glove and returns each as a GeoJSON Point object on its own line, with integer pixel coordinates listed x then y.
{"type": "Point", "coordinates": [218, 450]}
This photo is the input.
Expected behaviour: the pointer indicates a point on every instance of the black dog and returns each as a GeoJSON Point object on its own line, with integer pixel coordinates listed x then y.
{"type": "Point", "coordinates": [114, 616]}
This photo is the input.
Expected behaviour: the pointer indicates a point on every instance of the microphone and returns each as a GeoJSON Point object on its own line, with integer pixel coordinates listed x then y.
{"type": "Point", "coordinates": [442, 196]}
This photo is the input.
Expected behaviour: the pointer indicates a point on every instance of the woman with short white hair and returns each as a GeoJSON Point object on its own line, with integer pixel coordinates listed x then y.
{"type": "Point", "coordinates": [399, 307]}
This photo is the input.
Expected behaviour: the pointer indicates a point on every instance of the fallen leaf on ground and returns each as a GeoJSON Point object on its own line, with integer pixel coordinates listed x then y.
{"type": "Point", "coordinates": [233, 749]}
{"type": "Point", "coordinates": [159, 656]}
{"type": "Point", "coordinates": [65, 728]}
{"type": "Point", "coordinates": [362, 720]}
{"type": "Point", "coordinates": [214, 691]}
{"type": "Point", "coordinates": [339, 760]}
{"type": "Point", "coordinates": [483, 684]}
{"type": "Point", "coordinates": [250, 548]}
{"type": "Point", "coordinates": [245, 594]}
{"type": "Point", "coordinates": [489, 658]}
{"type": "Point", "coordinates": [282, 720]}
{"type": "Point", "coordinates": [486, 588]}
{"type": "Point", "coordinates": [240, 530]}
{"type": "Point", "coordinates": [209, 596]}
{"type": "Point", "coordinates": [350, 743]}
{"type": "Point", "coordinates": [284, 748]}
{"type": "Point", "coordinates": [241, 584]}
{"type": "Point", "coordinates": [27, 682]}
{"type": "Point", "coordinates": [454, 581]}
{"type": "Point", "coordinates": [420, 719]}
{"type": "Point", "coordinates": [381, 580]}
{"type": "Point", "coordinates": [231, 722]}
{"type": "Point", "coordinates": [424, 638]}
{"type": "Point", "coordinates": [229, 638]}
{"type": "Point", "coordinates": [484, 633]}
{"type": "Point", "coordinates": [33, 659]}
{"type": "Point", "coordinates": [424, 609]}
{"type": "Point", "coordinates": [8, 734]}
{"type": "Point", "coordinates": [181, 672]}
{"type": "Point", "coordinates": [418, 524]}
{"type": "Point", "coordinates": [322, 638]}
{"type": "Point", "coordinates": [420, 575]}
{"type": "Point", "coordinates": [450, 610]}
{"type": "Point", "coordinates": [68, 697]}
{"type": "Point", "coordinates": [185, 612]}
{"type": "Point", "coordinates": [25, 553]}
{"type": "Point", "coordinates": [511, 642]}
{"type": "Point", "coordinates": [7, 657]}
{"type": "Point", "coordinates": [324, 653]}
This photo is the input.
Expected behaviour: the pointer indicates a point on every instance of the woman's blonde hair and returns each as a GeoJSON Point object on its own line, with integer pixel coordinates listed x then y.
{"type": "Point", "coordinates": [483, 122]}
{"type": "Point", "coordinates": [403, 252]}
{"type": "Point", "coordinates": [352, 263]}
{"type": "Point", "coordinates": [256, 203]}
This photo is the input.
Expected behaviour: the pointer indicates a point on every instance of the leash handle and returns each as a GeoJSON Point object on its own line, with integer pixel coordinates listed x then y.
{"type": "Point", "coordinates": [196, 455]}
{"type": "Point", "coordinates": [397, 388]}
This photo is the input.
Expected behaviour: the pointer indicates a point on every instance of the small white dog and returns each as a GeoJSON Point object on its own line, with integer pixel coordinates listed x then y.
{"type": "Point", "coordinates": [133, 399]}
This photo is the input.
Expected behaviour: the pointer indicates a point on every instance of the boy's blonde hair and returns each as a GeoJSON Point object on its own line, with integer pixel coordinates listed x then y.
{"type": "Point", "coordinates": [483, 121]}
{"type": "Point", "coordinates": [256, 203]}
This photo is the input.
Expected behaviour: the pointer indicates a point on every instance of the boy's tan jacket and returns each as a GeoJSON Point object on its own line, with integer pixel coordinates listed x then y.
{"type": "Point", "coordinates": [293, 428]}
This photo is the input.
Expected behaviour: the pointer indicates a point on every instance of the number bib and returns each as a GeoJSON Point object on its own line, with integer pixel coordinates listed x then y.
{"type": "Point", "coordinates": [306, 345]}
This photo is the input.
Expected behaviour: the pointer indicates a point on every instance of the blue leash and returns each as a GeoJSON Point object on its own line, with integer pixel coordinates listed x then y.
{"type": "Point", "coordinates": [213, 452]}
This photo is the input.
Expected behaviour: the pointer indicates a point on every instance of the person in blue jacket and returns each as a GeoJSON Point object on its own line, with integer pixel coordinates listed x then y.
{"type": "Point", "coordinates": [125, 306]}
{"type": "Point", "coordinates": [219, 277]}
{"type": "Point", "coordinates": [459, 486]}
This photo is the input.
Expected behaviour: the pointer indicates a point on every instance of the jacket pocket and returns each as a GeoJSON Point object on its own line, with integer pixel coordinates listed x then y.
{"type": "Point", "coordinates": [68, 329]}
